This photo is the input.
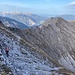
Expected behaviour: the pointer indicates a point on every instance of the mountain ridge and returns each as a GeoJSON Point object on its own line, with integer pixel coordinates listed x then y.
{"type": "Point", "coordinates": [56, 38]}
{"type": "Point", "coordinates": [25, 60]}
{"type": "Point", "coordinates": [38, 50]}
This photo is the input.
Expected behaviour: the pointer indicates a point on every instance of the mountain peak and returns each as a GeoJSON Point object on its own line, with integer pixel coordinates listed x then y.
{"type": "Point", "coordinates": [54, 20]}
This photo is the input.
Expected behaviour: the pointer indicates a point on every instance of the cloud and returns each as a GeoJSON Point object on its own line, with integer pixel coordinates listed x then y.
{"type": "Point", "coordinates": [72, 5]}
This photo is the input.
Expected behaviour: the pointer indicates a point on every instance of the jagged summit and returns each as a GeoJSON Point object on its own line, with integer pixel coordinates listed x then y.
{"type": "Point", "coordinates": [54, 20]}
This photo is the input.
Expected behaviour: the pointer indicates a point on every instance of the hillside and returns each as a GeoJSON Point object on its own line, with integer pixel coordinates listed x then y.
{"type": "Point", "coordinates": [56, 37]}
{"type": "Point", "coordinates": [24, 58]}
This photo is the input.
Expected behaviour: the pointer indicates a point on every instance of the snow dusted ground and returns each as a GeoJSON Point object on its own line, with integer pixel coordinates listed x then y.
{"type": "Point", "coordinates": [20, 60]}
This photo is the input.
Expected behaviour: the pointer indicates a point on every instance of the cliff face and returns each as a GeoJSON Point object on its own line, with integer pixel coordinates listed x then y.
{"type": "Point", "coordinates": [56, 37]}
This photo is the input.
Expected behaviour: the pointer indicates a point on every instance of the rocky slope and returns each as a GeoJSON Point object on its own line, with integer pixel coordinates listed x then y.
{"type": "Point", "coordinates": [24, 58]}
{"type": "Point", "coordinates": [56, 37]}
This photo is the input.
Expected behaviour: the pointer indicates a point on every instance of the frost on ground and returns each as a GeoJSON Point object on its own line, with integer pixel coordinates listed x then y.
{"type": "Point", "coordinates": [20, 60]}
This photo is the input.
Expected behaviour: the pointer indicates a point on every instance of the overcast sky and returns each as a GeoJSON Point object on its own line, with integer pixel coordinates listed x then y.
{"type": "Point", "coordinates": [39, 6]}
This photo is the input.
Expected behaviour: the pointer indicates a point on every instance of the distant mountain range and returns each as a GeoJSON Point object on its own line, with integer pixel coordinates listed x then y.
{"type": "Point", "coordinates": [68, 17]}
{"type": "Point", "coordinates": [65, 16]}
{"type": "Point", "coordinates": [12, 23]}
{"type": "Point", "coordinates": [25, 18]}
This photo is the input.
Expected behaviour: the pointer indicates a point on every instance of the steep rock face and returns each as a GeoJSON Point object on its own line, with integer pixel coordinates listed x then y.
{"type": "Point", "coordinates": [24, 59]}
{"type": "Point", "coordinates": [57, 38]}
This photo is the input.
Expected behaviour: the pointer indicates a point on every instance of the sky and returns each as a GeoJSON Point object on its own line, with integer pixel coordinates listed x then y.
{"type": "Point", "coordinates": [54, 7]}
